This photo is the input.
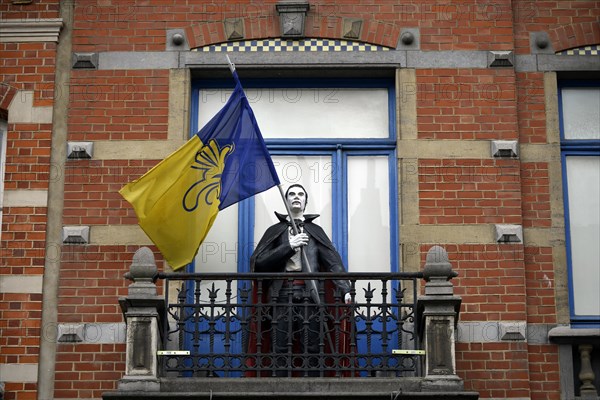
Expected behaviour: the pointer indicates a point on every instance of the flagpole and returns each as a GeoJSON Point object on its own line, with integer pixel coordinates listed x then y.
{"type": "Point", "coordinates": [305, 261]}
{"type": "Point", "coordinates": [231, 65]}
{"type": "Point", "coordinates": [293, 223]}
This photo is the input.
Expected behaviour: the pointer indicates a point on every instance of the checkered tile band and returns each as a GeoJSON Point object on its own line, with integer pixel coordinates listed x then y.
{"type": "Point", "coordinates": [581, 51]}
{"type": "Point", "coordinates": [290, 45]}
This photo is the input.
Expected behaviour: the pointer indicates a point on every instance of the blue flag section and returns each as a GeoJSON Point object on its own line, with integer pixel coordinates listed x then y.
{"type": "Point", "coordinates": [248, 169]}
{"type": "Point", "coordinates": [227, 161]}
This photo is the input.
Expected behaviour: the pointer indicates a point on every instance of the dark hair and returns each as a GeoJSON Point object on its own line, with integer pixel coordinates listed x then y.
{"type": "Point", "coordinates": [300, 186]}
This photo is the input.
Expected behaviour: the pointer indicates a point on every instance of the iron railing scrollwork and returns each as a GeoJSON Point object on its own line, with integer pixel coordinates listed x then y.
{"type": "Point", "coordinates": [230, 327]}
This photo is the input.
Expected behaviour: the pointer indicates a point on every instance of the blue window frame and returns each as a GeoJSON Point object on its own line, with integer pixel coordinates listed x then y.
{"type": "Point", "coordinates": [580, 158]}
{"type": "Point", "coordinates": [339, 149]}
{"type": "Point", "coordinates": [342, 155]}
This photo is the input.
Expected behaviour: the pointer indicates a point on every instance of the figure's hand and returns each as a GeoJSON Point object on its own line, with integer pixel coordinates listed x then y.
{"type": "Point", "coordinates": [348, 298]}
{"type": "Point", "coordinates": [300, 239]}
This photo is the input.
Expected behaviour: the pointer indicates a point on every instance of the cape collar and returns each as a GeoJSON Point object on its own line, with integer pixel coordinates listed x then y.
{"type": "Point", "coordinates": [308, 218]}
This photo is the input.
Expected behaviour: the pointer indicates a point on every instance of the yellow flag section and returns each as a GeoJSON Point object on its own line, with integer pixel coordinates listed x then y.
{"type": "Point", "coordinates": [177, 201]}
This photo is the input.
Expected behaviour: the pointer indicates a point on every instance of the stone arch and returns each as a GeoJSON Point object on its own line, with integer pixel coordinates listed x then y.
{"type": "Point", "coordinates": [575, 35]}
{"type": "Point", "coordinates": [372, 31]}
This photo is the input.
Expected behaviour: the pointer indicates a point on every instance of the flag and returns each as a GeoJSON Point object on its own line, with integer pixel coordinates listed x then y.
{"type": "Point", "coordinates": [227, 161]}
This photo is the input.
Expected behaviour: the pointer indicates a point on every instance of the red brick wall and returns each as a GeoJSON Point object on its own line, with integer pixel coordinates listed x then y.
{"type": "Point", "coordinates": [118, 105]}
{"type": "Point", "coordinates": [497, 282]}
{"type": "Point", "coordinates": [466, 104]}
{"type": "Point", "coordinates": [24, 67]}
{"type": "Point", "coordinates": [569, 23]}
{"type": "Point", "coordinates": [544, 372]}
{"type": "Point", "coordinates": [29, 66]}
{"type": "Point", "coordinates": [541, 303]}
{"type": "Point", "coordinates": [36, 10]}
{"type": "Point", "coordinates": [20, 325]}
{"type": "Point", "coordinates": [85, 371]}
{"type": "Point", "coordinates": [491, 280]}
{"type": "Point", "coordinates": [531, 111]}
{"type": "Point", "coordinates": [464, 25]}
{"type": "Point", "coordinates": [535, 186]}
{"type": "Point", "coordinates": [91, 191]}
{"type": "Point", "coordinates": [497, 370]}
{"type": "Point", "coordinates": [469, 191]}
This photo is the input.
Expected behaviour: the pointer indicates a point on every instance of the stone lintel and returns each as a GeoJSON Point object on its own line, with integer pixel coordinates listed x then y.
{"type": "Point", "coordinates": [30, 30]}
{"type": "Point", "coordinates": [394, 58]}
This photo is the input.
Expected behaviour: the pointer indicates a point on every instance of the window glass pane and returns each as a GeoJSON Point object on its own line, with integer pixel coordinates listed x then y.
{"type": "Point", "coordinates": [368, 214]}
{"type": "Point", "coordinates": [368, 218]}
{"type": "Point", "coordinates": [218, 252]}
{"type": "Point", "coordinates": [315, 173]}
{"type": "Point", "coordinates": [583, 180]}
{"type": "Point", "coordinates": [309, 112]}
{"type": "Point", "coordinates": [581, 113]}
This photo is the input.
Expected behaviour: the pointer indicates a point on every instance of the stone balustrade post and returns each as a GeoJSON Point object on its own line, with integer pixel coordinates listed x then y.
{"type": "Point", "coordinates": [437, 317]}
{"type": "Point", "coordinates": [143, 311]}
{"type": "Point", "coordinates": [572, 341]}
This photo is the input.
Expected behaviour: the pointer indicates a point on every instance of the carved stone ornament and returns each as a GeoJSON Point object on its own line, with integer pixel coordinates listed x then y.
{"type": "Point", "coordinates": [352, 28]}
{"type": "Point", "coordinates": [292, 15]}
{"type": "Point", "coordinates": [234, 28]}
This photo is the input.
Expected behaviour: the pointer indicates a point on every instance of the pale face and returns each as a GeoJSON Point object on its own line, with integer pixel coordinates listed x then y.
{"type": "Point", "coordinates": [296, 199]}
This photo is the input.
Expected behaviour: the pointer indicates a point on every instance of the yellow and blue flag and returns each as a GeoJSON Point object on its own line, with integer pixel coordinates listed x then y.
{"type": "Point", "coordinates": [177, 201]}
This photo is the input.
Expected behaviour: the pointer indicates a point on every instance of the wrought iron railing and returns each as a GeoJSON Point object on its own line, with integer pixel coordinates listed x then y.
{"type": "Point", "coordinates": [228, 325]}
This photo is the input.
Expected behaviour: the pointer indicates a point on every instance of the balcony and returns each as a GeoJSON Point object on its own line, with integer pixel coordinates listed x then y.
{"type": "Point", "coordinates": [223, 326]}
{"type": "Point", "coordinates": [221, 335]}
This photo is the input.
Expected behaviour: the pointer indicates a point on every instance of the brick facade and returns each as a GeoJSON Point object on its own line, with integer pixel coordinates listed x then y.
{"type": "Point", "coordinates": [455, 105]}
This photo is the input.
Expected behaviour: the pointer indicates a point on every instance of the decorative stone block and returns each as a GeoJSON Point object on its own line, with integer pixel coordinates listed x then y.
{"type": "Point", "coordinates": [71, 333]}
{"type": "Point", "coordinates": [292, 16]}
{"type": "Point", "coordinates": [176, 40]}
{"type": "Point", "coordinates": [76, 234]}
{"type": "Point", "coordinates": [505, 148]}
{"type": "Point", "coordinates": [509, 233]}
{"type": "Point", "coordinates": [501, 59]}
{"type": "Point", "coordinates": [540, 43]}
{"type": "Point", "coordinates": [85, 61]}
{"type": "Point", "coordinates": [513, 330]}
{"type": "Point", "coordinates": [352, 28]}
{"type": "Point", "coordinates": [80, 150]}
{"type": "Point", "coordinates": [409, 39]}
{"type": "Point", "coordinates": [234, 28]}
